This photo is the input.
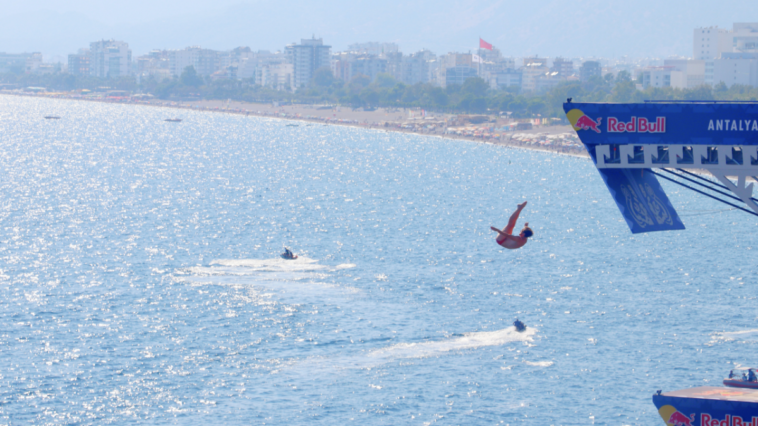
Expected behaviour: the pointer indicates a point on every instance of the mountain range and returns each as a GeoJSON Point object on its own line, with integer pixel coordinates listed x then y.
{"type": "Point", "coordinates": [587, 28]}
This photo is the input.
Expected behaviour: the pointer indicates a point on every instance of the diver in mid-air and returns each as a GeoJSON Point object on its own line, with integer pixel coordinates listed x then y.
{"type": "Point", "coordinates": [504, 237]}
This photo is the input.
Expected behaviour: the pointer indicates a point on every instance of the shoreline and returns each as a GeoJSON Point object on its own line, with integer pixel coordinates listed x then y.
{"type": "Point", "coordinates": [537, 139]}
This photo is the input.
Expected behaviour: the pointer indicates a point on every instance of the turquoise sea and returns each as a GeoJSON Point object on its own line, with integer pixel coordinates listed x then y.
{"type": "Point", "coordinates": [141, 284]}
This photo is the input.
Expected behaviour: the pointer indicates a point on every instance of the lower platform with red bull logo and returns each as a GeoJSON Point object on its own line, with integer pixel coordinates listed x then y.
{"type": "Point", "coordinates": [708, 406]}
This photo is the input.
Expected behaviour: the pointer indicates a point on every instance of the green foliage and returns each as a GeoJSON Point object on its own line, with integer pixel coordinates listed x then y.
{"type": "Point", "coordinates": [190, 78]}
{"type": "Point", "coordinates": [474, 96]}
{"type": "Point", "coordinates": [475, 86]}
{"type": "Point", "coordinates": [384, 81]}
{"type": "Point", "coordinates": [323, 77]}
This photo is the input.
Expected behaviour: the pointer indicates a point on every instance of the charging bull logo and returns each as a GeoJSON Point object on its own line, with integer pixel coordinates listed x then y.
{"type": "Point", "coordinates": [581, 121]}
{"type": "Point", "coordinates": [673, 417]}
{"type": "Point", "coordinates": [679, 419]}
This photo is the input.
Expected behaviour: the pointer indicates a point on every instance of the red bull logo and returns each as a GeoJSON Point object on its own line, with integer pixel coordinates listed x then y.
{"type": "Point", "coordinates": [581, 121]}
{"type": "Point", "coordinates": [637, 125]}
{"type": "Point", "coordinates": [674, 417]}
{"type": "Point", "coordinates": [679, 419]}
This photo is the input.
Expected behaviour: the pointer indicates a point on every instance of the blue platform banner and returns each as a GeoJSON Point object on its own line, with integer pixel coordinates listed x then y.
{"type": "Point", "coordinates": [708, 406]}
{"type": "Point", "coordinates": [641, 200]}
{"type": "Point", "coordinates": [665, 123]}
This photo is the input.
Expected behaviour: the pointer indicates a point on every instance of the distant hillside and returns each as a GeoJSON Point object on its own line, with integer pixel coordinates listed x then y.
{"type": "Point", "coordinates": [548, 28]}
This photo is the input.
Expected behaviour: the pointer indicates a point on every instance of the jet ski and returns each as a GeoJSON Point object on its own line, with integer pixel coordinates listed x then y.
{"type": "Point", "coordinates": [749, 380]}
{"type": "Point", "coordinates": [288, 254]}
{"type": "Point", "coordinates": [520, 326]}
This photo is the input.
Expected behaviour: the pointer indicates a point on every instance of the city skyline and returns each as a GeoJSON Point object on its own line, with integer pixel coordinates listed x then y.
{"type": "Point", "coordinates": [718, 56]}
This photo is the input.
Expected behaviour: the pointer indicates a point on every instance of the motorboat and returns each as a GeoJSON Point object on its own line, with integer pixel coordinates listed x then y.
{"type": "Point", "coordinates": [520, 326]}
{"type": "Point", "coordinates": [173, 120]}
{"type": "Point", "coordinates": [748, 380]}
{"type": "Point", "coordinates": [52, 117]}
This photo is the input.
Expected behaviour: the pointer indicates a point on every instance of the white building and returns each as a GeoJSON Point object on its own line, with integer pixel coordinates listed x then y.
{"type": "Point", "coordinates": [548, 81]}
{"type": "Point", "coordinates": [307, 57]}
{"type": "Point", "coordinates": [461, 66]}
{"type": "Point", "coordinates": [78, 63]}
{"type": "Point", "coordinates": [33, 62]}
{"type": "Point", "coordinates": [708, 43]}
{"type": "Point", "coordinates": [109, 59]}
{"type": "Point", "coordinates": [346, 65]}
{"type": "Point", "coordinates": [693, 72]}
{"type": "Point", "coordinates": [745, 37]}
{"type": "Point", "coordinates": [266, 69]}
{"type": "Point", "coordinates": [414, 68]}
{"type": "Point", "coordinates": [666, 76]}
{"type": "Point", "coordinates": [373, 48]}
{"type": "Point", "coordinates": [278, 76]}
{"type": "Point", "coordinates": [205, 61]}
{"type": "Point", "coordinates": [736, 68]}
{"type": "Point", "coordinates": [156, 64]}
{"type": "Point", "coordinates": [533, 69]}
{"type": "Point", "coordinates": [459, 74]}
{"type": "Point", "coordinates": [729, 56]}
{"type": "Point", "coordinates": [507, 79]}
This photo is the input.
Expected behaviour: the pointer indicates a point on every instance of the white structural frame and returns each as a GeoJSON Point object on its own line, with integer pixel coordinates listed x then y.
{"type": "Point", "coordinates": [721, 169]}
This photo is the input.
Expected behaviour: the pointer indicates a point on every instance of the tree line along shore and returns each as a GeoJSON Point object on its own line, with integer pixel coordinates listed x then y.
{"type": "Point", "coordinates": [472, 97]}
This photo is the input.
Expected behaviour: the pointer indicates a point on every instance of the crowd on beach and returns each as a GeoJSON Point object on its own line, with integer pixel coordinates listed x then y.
{"type": "Point", "coordinates": [534, 134]}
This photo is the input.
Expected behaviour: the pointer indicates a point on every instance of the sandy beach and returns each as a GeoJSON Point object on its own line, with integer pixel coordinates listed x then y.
{"type": "Point", "coordinates": [492, 129]}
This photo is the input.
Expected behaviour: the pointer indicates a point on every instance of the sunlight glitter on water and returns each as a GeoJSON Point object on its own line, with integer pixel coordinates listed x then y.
{"type": "Point", "coordinates": [141, 278]}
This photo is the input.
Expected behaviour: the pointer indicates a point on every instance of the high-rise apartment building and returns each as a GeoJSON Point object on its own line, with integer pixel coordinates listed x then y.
{"type": "Point", "coordinates": [693, 71]}
{"type": "Point", "coordinates": [708, 43]}
{"type": "Point", "coordinates": [665, 76]}
{"type": "Point", "coordinates": [307, 57]}
{"type": "Point", "coordinates": [346, 65]}
{"type": "Point", "coordinates": [736, 68]}
{"type": "Point", "coordinates": [563, 67]}
{"type": "Point", "coordinates": [156, 63]}
{"type": "Point", "coordinates": [78, 63]}
{"type": "Point", "coordinates": [13, 62]}
{"type": "Point", "coordinates": [266, 69]}
{"type": "Point", "coordinates": [745, 37]}
{"type": "Point", "coordinates": [590, 69]}
{"type": "Point", "coordinates": [533, 69]}
{"type": "Point", "coordinates": [109, 59]}
{"type": "Point", "coordinates": [204, 61]}
{"type": "Point", "coordinates": [729, 56]}
{"type": "Point", "coordinates": [414, 68]}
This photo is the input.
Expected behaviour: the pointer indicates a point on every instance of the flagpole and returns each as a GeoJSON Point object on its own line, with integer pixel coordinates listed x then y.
{"type": "Point", "coordinates": [479, 64]}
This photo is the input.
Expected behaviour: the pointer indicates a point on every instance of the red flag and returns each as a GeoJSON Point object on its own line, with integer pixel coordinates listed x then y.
{"type": "Point", "coordinates": [484, 45]}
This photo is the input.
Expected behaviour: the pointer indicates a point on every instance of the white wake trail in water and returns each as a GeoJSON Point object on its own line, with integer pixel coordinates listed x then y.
{"type": "Point", "coordinates": [467, 341]}
{"type": "Point", "coordinates": [400, 351]}
{"type": "Point", "coordinates": [273, 265]}
{"type": "Point", "coordinates": [300, 279]}
{"type": "Point", "coordinates": [728, 336]}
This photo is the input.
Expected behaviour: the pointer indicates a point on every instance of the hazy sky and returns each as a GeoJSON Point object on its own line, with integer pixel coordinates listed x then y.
{"type": "Point", "coordinates": [583, 28]}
